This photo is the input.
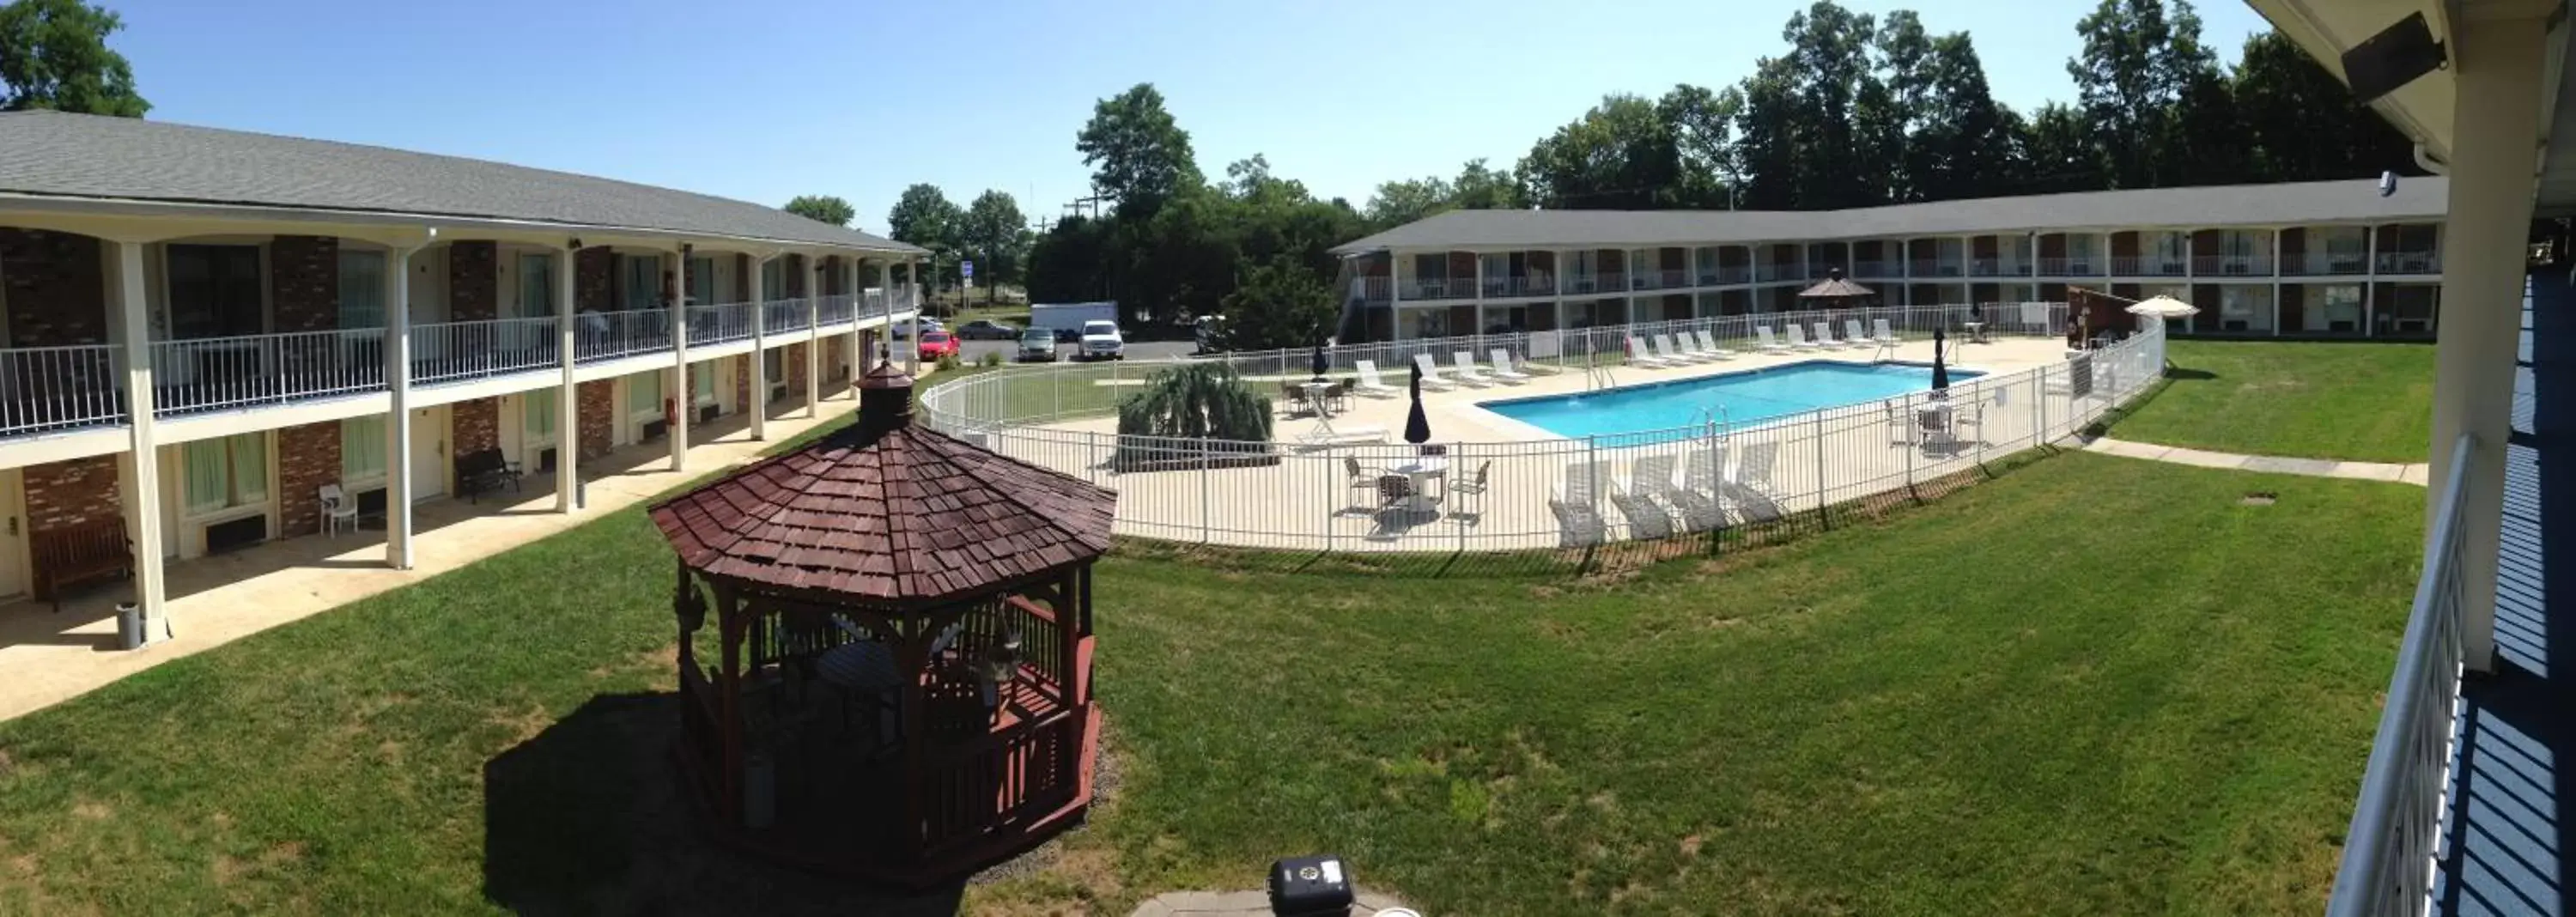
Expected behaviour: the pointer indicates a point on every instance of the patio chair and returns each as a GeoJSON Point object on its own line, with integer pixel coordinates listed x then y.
{"type": "Point", "coordinates": [1474, 485]}
{"type": "Point", "coordinates": [1881, 333]}
{"type": "Point", "coordinates": [1337, 396]}
{"type": "Point", "coordinates": [1361, 480]}
{"type": "Point", "coordinates": [1708, 345]}
{"type": "Point", "coordinates": [1467, 370]}
{"type": "Point", "coordinates": [1853, 336]}
{"type": "Point", "coordinates": [1899, 417]}
{"type": "Point", "coordinates": [1798, 339]}
{"type": "Point", "coordinates": [1503, 371]}
{"type": "Point", "coordinates": [1431, 378]}
{"type": "Point", "coordinates": [336, 509]}
{"type": "Point", "coordinates": [1753, 465]}
{"type": "Point", "coordinates": [1750, 505]}
{"type": "Point", "coordinates": [1373, 386]}
{"type": "Point", "coordinates": [1825, 337]}
{"type": "Point", "coordinates": [1770, 344]}
{"type": "Point", "coordinates": [1638, 355]}
{"type": "Point", "coordinates": [1664, 348]}
{"type": "Point", "coordinates": [1652, 476]}
{"type": "Point", "coordinates": [1393, 489]}
{"type": "Point", "coordinates": [1646, 518]}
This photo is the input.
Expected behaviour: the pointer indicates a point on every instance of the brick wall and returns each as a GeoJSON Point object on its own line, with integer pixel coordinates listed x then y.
{"type": "Point", "coordinates": [56, 287]}
{"type": "Point", "coordinates": [596, 401]}
{"type": "Point", "coordinates": [795, 370]}
{"type": "Point", "coordinates": [742, 384]}
{"type": "Point", "coordinates": [473, 281]}
{"type": "Point", "coordinates": [307, 458]}
{"type": "Point", "coordinates": [304, 282]}
{"type": "Point", "coordinates": [64, 494]}
{"type": "Point", "coordinates": [594, 270]}
{"type": "Point", "coordinates": [477, 425]}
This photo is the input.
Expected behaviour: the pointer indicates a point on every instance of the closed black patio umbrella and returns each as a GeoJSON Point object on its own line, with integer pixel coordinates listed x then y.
{"type": "Point", "coordinates": [1322, 365]}
{"type": "Point", "coordinates": [1940, 372]}
{"type": "Point", "coordinates": [1417, 428]}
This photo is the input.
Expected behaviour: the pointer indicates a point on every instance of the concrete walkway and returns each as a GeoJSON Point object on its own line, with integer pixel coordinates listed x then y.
{"type": "Point", "coordinates": [51, 657]}
{"type": "Point", "coordinates": [1244, 904]}
{"type": "Point", "coordinates": [2416, 474]}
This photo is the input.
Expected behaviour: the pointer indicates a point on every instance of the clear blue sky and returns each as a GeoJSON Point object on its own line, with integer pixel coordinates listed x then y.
{"type": "Point", "coordinates": [766, 100]}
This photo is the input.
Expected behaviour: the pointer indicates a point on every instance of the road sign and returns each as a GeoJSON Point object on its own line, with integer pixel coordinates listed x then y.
{"type": "Point", "coordinates": [966, 269]}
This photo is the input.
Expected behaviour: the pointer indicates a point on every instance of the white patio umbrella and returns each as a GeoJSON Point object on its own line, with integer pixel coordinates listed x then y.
{"type": "Point", "coordinates": [2164, 307]}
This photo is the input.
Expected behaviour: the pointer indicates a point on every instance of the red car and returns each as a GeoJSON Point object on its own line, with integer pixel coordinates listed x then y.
{"type": "Point", "coordinates": [936, 344]}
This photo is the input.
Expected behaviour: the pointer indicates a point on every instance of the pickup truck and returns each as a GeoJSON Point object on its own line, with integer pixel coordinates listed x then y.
{"type": "Point", "coordinates": [1101, 341]}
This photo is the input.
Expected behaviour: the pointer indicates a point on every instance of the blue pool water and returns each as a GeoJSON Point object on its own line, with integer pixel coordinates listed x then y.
{"type": "Point", "coordinates": [1745, 397]}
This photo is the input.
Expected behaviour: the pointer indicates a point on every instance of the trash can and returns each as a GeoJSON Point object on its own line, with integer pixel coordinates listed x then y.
{"type": "Point", "coordinates": [759, 790]}
{"type": "Point", "coordinates": [129, 626]}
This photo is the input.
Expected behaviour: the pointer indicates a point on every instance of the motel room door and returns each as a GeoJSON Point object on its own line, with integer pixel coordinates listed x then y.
{"type": "Point", "coordinates": [13, 534]}
{"type": "Point", "coordinates": [428, 453]}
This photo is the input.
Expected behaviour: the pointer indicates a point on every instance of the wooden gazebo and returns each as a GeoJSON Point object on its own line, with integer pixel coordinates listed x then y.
{"type": "Point", "coordinates": [901, 688]}
{"type": "Point", "coordinates": [1834, 292]}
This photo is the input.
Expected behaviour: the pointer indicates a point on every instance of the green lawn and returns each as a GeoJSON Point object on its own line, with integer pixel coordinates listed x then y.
{"type": "Point", "coordinates": [2371, 402]}
{"type": "Point", "coordinates": [2092, 686]}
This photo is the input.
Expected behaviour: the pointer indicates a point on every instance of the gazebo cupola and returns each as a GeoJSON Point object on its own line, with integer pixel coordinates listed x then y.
{"type": "Point", "coordinates": [902, 681]}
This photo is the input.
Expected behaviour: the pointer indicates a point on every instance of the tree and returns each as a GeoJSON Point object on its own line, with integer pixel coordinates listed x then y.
{"type": "Point", "coordinates": [1202, 401]}
{"type": "Point", "coordinates": [1832, 72]}
{"type": "Point", "coordinates": [1618, 156]}
{"type": "Point", "coordinates": [1139, 156]}
{"type": "Point", "coordinates": [1069, 263]}
{"type": "Point", "coordinates": [2059, 152]}
{"type": "Point", "coordinates": [2135, 69]}
{"type": "Point", "coordinates": [1766, 144]}
{"type": "Point", "coordinates": [54, 55]}
{"type": "Point", "coordinates": [822, 208]}
{"type": "Point", "coordinates": [1702, 124]}
{"type": "Point", "coordinates": [2303, 123]}
{"type": "Point", "coordinates": [1399, 202]}
{"type": "Point", "coordinates": [924, 217]}
{"type": "Point", "coordinates": [994, 230]}
{"type": "Point", "coordinates": [1279, 304]}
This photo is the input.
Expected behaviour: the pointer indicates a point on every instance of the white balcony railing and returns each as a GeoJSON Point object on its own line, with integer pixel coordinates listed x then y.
{"type": "Point", "coordinates": [2331, 263]}
{"type": "Point", "coordinates": [455, 351]}
{"type": "Point", "coordinates": [1936, 268]}
{"type": "Point", "coordinates": [1541, 284]}
{"type": "Point", "coordinates": [1659, 279]}
{"type": "Point", "coordinates": [2231, 266]}
{"type": "Point", "coordinates": [2082, 266]}
{"type": "Point", "coordinates": [1766, 272]}
{"type": "Point", "coordinates": [205, 374]}
{"type": "Point", "coordinates": [718, 324]}
{"type": "Point", "coordinates": [1594, 283]}
{"type": "Point", "coordinates": [2388, 850]}
{"type": "Point", "coordinates": [872, 304]}
{"type": "Point", "coordinates": [1735, 273]}
{"type": "Point", "coordinates": [783, 315]}
{"type": "Point", "coordinates": [45, 389]}
{"type": "Point", "coordinates": [2410, 262]}
{"type": "Point", "coordinates": [609, 335]}
{"type": "Point", "coordinates": [2148, 267]}
{"type": "Point", "coordinates": [1438, 288]}
{"type": "Point", "coordinates": [833, 310]}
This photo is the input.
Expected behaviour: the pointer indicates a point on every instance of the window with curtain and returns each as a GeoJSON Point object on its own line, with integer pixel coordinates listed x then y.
{"type": "Point", "coordinates": [702, 383]}
{"type": "Point", "coordinates": [537, 410]}
{"type": "Point", "coordinates": [362, 451]}
{"type": "Point", "coordinates": [702, 281]}
{"type": "Point", "coordinates": [536, 286]}
{"type": "Point", "coordinates": [773, 364]}
{"type": "Point", "coordinates": [215, 291]}
{"type": "Point", "coordinates": [2332, 307]}
{"type": "Point", "coordinates": [225, 473]}
{"type": "Point", "coordinates": [362, 289]}
{"type": "Point", "coordinates": [640, 282]}
{"type": "Point", "coordinates": [773, 279]}
{"type": "Point", "coordinates": [644, 393]}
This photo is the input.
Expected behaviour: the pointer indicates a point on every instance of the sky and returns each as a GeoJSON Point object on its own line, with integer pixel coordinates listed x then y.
{"type": "Point", "coordinates": [764, 101]}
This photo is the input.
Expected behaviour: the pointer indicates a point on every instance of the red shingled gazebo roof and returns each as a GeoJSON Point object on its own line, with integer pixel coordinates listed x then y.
{"type": "Point", "coordinates": [888, 512]}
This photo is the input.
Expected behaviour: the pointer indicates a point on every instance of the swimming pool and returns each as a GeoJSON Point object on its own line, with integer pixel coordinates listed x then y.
{"type": "Point", "coordinates": [1738, 398]}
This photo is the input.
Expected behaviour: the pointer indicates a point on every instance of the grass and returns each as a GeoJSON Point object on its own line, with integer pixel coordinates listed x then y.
{"type": "Point", "coordinates": [2367, 402]}
{"type": "Point", "coordinates": [2092, 686]}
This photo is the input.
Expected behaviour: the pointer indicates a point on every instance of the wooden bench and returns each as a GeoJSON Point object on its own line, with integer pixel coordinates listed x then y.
{"type": "Point", "coordinates": [93, 551]}
{"type": "Point", "coordinates": [484, 471]}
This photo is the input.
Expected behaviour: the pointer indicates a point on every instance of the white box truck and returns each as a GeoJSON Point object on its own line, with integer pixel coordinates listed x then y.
{"type": "Point", "coordinates": [1067, 318]}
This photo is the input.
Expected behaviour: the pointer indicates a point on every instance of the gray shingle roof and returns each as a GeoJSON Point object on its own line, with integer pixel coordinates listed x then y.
{"type": "Point", "coordinates": [2204, 207]}
{"type": "Point", "coordinates": [56, 154]}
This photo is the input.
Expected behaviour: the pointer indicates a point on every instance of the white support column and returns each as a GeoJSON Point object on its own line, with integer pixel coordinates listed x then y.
{"type": "Point", "coordinates": [2498, 66]}
{"type": "Point", "coordinates": [759, 406]}
{"type": "Point", "coordinates": [850, 348]}
{"type": "Point", "coordinates": [683, 397]}
{"type": "Point", "coordinates": [398, 470]}
{"type": "Point", "coordinates": [142, 501]}
{"type": "Point", "coordinates": [885, 287]}
{"type": "Point", "coordinates": [567, 406]}
{"type": "Point", "coordinates": [2370, 281]}
{"type": "Point", "coordinates": [920, 297]}
{"type": "Point", "coordinates": [814, 340]}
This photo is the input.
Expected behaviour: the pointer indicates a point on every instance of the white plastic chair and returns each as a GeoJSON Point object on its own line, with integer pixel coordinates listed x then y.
{"type": "Point", "coordinates": [1852, 333]}
{"type": "Point", "coordinates": [1884, 334]}
{"type": "Point", "coordinates": [336, 508]}
{"type": "Point", "coordinates": [1502, 370]}
{"type": "Point", "coordinates": [1798, 339]}
{"type": "Point", "coordinates": [1825, 336]}
{"type": "Point", "coordinates": [1468, 372]}
{"type": "Point", "coordinates": [1373, 386]}
{"type": "Point", "coordinates": [1640, 356]}
{"type": "Point", "coordinates": [1665, 350]}
{"type": "Point", "coordinates": [1769, 343]}
{"type": "Point", "coordinates": [1431, 378]}
{"type": "Point", "coordinates": [1708, 345]}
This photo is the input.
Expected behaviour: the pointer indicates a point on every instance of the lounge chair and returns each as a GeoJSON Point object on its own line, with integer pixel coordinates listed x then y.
{"type": "Point", "coordinates": [1883, 334]}
{"type": "Point", "coordinates": [1373, 386]}
{"type": "Point", "coordinates": [1753, 465]}
{"type": "Point", "coordinates": [1664, 349]}
{"type": "Point", "coordinates": [1638, 355]}
{"type": "Point", "coordinates": [1825, 337]}
{"type": "Point", "coordinates": [1577, 511]}
{"type": "Point", "coordinates": [1431, 378]}
{"type": "Point", "coordinates": [1708, 345]}
{"type": "Point", "coordinates": [1652, 476]}
{"type": "Point", "coordinates": [1468, 371]}
{"type": "Point", "coordinates": [1853, 336]}
{"type": "Point", "coordinates": [1750, 505]}
{"type": "Point", "coordinates": [1502, 370]}
{"type": "Point", "coordinates": [1798, 339]}
{"type": "Point", "coordinates": [1770, 344]}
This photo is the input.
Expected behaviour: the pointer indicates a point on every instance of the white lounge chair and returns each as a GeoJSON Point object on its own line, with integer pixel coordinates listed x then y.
{"type": "Point", "coordinates": [1882, 333]}
{"type": "Point", "coordinates": [1373, 386]}
{"type": "Point", "coordinates": [1664, 348]}
{"type": "Point", "coordinates": [1502, 370]}
{"type": "Point", "coordinates": [1577, 509]}
{"type": "Point", "coordinates": [1467, 371]}
{"type": "Point", "coordinates": [1825, 337]}
{"type": "Point", "coordinates": [1431, 378]}
{"type": "Point", "coordinates": [1769, 344]}
{"type": "Point", "coordinates": [1798, 339]}
{"type": "Point", "coordinates": [1652, 477]}
{"type": "Point", "coordinates": [1853, 335]}
{"type": "Point", "coordinates": [1748, 488]}
{"type": "Point", "coordinates": [1708, 345]}
{"type": "Point", "coordinates": [1638, 355]}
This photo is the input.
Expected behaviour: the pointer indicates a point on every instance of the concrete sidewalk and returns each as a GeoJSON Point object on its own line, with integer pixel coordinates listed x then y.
{"type": "Point", "coordinates": [50, 657]}
{"type": "Point", "coordinates": [2416, 474]}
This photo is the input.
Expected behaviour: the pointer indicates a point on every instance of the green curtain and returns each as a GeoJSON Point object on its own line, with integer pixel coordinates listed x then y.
{"type": "Point", "coordinates": [644, 392]}
{"type": "Point", "coordinates": [250, 467]}
{"type": "Point", "coordinates": [362, 289]}
{"type": "Point", "coordinates": [362, 449]}
{"type": "Point", "coordinates": [207, 480]}
{"type": "Point", "coordinates": [539, 406]}
{"type": "Point", "coordinates": [702, 379]}
{"type": "Point", "coordinates": [536, 286]}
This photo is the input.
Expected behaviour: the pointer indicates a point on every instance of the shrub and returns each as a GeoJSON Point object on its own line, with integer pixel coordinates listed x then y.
{"type": "Point", "coordinates": [1204, 401]}
{"type": "Point", "coordinates": [989, 360]}
{"type": "Point", "coordinates": [948, 362]}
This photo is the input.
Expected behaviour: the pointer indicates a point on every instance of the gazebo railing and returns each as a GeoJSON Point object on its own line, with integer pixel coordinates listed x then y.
{"type": "Point", "coordinates": [1000, 782]}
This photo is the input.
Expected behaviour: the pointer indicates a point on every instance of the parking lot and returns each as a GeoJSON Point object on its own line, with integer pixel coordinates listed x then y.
{"type": "Point", "coordinates": [971, 351]}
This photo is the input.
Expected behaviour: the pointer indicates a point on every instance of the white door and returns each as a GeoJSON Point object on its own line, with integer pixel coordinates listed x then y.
{"type": "Point", "coordinates": [428, 294]}
{"type": "Point", "coordinates": [428, 454]}
{"type": "Point", "coordinates": [13, 537]}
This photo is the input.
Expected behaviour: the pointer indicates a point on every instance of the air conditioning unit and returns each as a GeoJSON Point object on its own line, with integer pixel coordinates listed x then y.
{"type": "Point", "coordinates": [709, 413]}
{"type": "Point", "coordinates": [653, 430]}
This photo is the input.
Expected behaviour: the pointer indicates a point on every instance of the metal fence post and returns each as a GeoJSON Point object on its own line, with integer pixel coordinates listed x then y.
{"type": "Point", "coordinates": [1458, 456]}
{"type": "Point", "coordinates": [1207, 502]}
{"type": "Point", "coordinates": [1822, 498]}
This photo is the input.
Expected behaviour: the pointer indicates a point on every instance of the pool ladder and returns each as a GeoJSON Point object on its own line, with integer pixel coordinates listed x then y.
{"type": "Point", "coordinates": [1597, 377]}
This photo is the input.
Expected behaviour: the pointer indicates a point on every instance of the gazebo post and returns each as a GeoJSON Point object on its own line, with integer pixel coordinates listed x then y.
{"type": "Point", "coordinates": [729, 692]}
{"type": "Point", "coordinates": [911, 658]}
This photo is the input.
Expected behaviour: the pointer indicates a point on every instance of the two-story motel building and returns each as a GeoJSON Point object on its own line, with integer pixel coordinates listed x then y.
{"type": "Point", "coordinates": [2311, 259]}
{"type": "Point", "coordinates": [200, 329]}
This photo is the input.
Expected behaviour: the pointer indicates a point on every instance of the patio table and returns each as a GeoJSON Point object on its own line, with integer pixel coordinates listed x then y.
{"type": "Point", "coordinates": [1420, 471]}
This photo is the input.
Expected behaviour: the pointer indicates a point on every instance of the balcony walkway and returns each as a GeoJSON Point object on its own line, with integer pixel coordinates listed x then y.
{"type": "Point", "coordinates": [2506, 840]}
{"type": "Point", "coordinates": [53, 657]}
